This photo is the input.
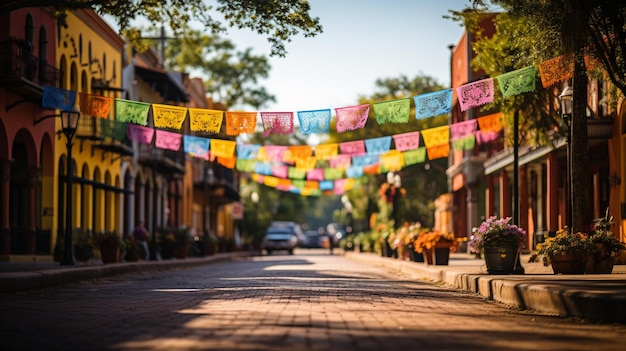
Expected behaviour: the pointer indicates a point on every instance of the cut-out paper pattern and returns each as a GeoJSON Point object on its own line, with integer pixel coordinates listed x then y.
{"type": "Point", "coordinates": [113, 129]}
{"type": "Point", "coordinates": [280, 171]}
{"type": "Point", "coordinates": [240, 123]}
{"type": "Point", "coordinates": [392, 161]}
{"type": "Point", "coordinates": [315, 174]}
{"type": "Point", "coordinates": [491, 123]}
{"type": "Point", "coordinates": [333, 173]}
{"type": "Point", "coordinates": [297, 151]}
{"type": "Point", "coordinates": [416, 156]}
{"type": "Point", "coordinates": [277, 123]}
{"type": "Point", "coordinates": [204, 120]}
{"type": "Point", "coordinates": [264, 168]}
{"type": "Point", "coordinates": [352, 117]}
{"type": "Point", "coordinates": [365, 160]}
{"type": "Point", "coordinates": [356, 147]}
{"type": "Point", "coordinates": [275, 153]}
{"type": "Point", "coordinates": [296, 173]}
{"type": "Point", "coordinates": [377, 146]}
{"type": "Point", "coordinates": [326, 151]}
{"type": "Point", "coordinates": [132, 111]}
{"type": "Point", "coordinates": [168, 140]}
{"type": "Point", "coordinates": [475, 94]}
{"type": "Point", "coordinates": [438, 151]}
{"type": "Point", "coordinates": [462, 129]}
{"type": "Point", "coordinates": [327, 185]}
{"type": "Point", "coordinates": [517, 82]}
{"type": "Point", "coordinates": [196, 146]}
{"type": "Point", "coordinates": [245, 165]}
{"type": "Point", "coordinates": [395, 111]}
{"type": "Point", "coordinates": [314, 121]}
{"type": "Point", "coordinates": [341, 161]}
{"type": "Point", "coordinates": [406, 141]}
{"type": "Point", "coordinates": [140, 134]}
{"type": "Point", "coordinates": [95, 105]}
{"type": "Point", "coordinates": [168, 116]}
{"type": "Point", "coordinates": [485, 137]}
{"type": "Point", "coordinates": [223, 148]}
{"type": "Point", "coordinates": [433, 104]}
{"type": "Point", "coordinates": [248, 151]}
{"type": "Point", "coordinates": [306, 163]}
{"type": "Point", "coordinates": [436, 136]}
{"type": "Point", "coordinates": [57, 98]}
{"type": "Point", "coordinates": [354, 172]}
{"type": "Point", "coordinates": [556, 70]}
{"type": "Point", "coordinates": [464, 143]}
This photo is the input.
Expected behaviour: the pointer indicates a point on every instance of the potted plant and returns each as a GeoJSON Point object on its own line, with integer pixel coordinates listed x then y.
{"type": "Point", "coordinates": [84, 244]}
{"type": "Point", "coordinates": [566, 252]}
{"type": "Point", "coordinates": [182, 245]}
{"type": "Point", "coordinates": [604, 246]}
{"type": "Point", "coordinates": [435, 242]}
{"type": "Point", "coordinates": [111, 245]}
{"type": "Point", "coordinates": [500, 241]}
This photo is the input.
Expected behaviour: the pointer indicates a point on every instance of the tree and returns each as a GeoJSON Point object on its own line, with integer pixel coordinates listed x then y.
{"type": "Point", "coordinates": [278, 20]}
{"type": "Point", "coordinates": [423, 182]}
{"type": "Point", "coordinates": [230, 75]}
{"type": "Point", "coordinates": [591, 27]}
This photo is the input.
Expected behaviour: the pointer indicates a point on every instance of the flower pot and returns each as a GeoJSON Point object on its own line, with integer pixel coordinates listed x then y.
{"type": "Point", "coordinates": [568, 264]}
{"type": "Point", "coordinates": [442, 256]}
{"type": "Point", "coordinates": [500, 259]}
{"type": "Point", "coordinates": [428, 255]}
{"type": "Point", "coordinates": [110, 254]}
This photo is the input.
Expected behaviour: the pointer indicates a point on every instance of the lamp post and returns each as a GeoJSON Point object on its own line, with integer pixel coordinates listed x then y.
{"type": "Point", "coordinates": [153, 247]}
{"type": "Point", "coordinates": [254, 197]}
{"type": "Point", "coordinates": [395, 185]}
{"type": "Point", "coordinates": [567, 107]}
{"type": "Point", "coordinates": [69, 124]}
{"type": "Point", "coordinates": [209, 181]}
{"type": "Point", "coordinates": [347, 205]}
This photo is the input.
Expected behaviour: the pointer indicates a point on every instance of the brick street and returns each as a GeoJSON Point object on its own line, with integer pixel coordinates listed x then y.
{"type": "Point", "coordinates": [308, 301]}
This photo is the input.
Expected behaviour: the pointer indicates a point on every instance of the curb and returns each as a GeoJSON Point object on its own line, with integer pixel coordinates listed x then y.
{"type": "Point", "coordinates": [563, 295]}
{"type": "Point", "coordinates": [22, 281]}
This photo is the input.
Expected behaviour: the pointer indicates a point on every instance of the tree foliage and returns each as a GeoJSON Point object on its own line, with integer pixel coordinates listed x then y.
{"type": "Point", "coordinates": [573, 27]}
{"type": "Point", "coordinates": [422, 182]}
{"type": "Point", "coordinates": [230, 76]}
{"type": "Point", "coordinates": [277, 20]}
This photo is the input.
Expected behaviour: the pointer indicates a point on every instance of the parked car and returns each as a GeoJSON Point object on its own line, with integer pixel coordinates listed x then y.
{"type": "Point", "coordinates": [280, 238]}
{"type": "Point", "coordinates": [294, 227]}
{"type": "Point", "coordinates": [313, 239]}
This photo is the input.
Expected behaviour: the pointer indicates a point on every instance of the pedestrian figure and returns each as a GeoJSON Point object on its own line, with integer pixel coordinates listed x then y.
{"type": "Point", "coordinates": [140, 234]}
{"type": "Point", "coordinates": [331, 243]}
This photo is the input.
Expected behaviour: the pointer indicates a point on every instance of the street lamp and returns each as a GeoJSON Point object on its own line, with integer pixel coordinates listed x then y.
{"type": "Point", "coordinates": [153, 247]}
{"type": "Point", "coordinates": [254, 197]}
{"type": "Point", "coordinates": [348, 207]}
{"type": "Point", "coordinates": [567, 108]}
{"type": "Point", "coordinates": [395, 186]}
{"type": "Point", "coordinates": [69, 124]}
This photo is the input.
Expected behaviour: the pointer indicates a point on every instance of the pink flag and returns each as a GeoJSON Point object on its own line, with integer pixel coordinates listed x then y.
{"type": "Point", "coordinates": [351, 118]}
{"type": "Point", "coordinates": [168, 140]}
{"type": "Point", "coordinates": [277, 122]}
{"type": "Point", "coordinates": [139, 133]}
{"type": "Point", "coordinates": [352, 147]}
{"type": "Point", "coordinates": [475, 94]}
{"type": "Point", "coordinates": [406, 141]}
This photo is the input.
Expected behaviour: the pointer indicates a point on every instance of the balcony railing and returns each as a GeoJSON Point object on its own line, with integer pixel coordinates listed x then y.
{"type": "Point", "coordinates": [25, 73]}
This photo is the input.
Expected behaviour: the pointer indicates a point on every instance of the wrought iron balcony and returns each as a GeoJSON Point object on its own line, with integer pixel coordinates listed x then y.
{"type": "Point", "coordinates": [24, 73]}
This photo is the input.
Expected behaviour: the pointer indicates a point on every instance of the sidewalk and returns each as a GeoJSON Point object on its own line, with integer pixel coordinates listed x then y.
{"type": "Point", "coordinates": [597, 297]}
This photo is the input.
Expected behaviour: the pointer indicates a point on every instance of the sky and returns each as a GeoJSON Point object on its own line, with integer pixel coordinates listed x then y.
{"type": "Point", "coordinates": [363, 40]}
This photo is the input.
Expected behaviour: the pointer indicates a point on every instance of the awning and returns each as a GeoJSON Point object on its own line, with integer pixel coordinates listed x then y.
{"type": "Point", "coordinates": [164, 83]}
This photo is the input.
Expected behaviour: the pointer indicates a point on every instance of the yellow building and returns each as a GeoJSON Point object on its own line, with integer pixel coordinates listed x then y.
{"type": "Point", "coordinates": [90, 57]}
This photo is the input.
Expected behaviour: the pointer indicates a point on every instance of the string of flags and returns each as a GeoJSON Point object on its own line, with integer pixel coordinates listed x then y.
{"type": "Point", "coordinates": [324, 168]}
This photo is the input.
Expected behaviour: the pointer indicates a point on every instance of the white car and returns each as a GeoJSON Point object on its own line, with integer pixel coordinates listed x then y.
{"type": "Point", "coordinates": [280, 239]}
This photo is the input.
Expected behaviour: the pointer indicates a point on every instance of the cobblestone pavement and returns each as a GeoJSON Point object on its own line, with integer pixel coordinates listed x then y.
{"type": "Point", "coordinates": [308, 301]}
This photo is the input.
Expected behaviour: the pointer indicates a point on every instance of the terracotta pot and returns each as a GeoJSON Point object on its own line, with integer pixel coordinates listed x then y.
{"type": "Point", "coordinates": [568, 264]}
{"type": "Point", "coordinates": [110, 254]}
